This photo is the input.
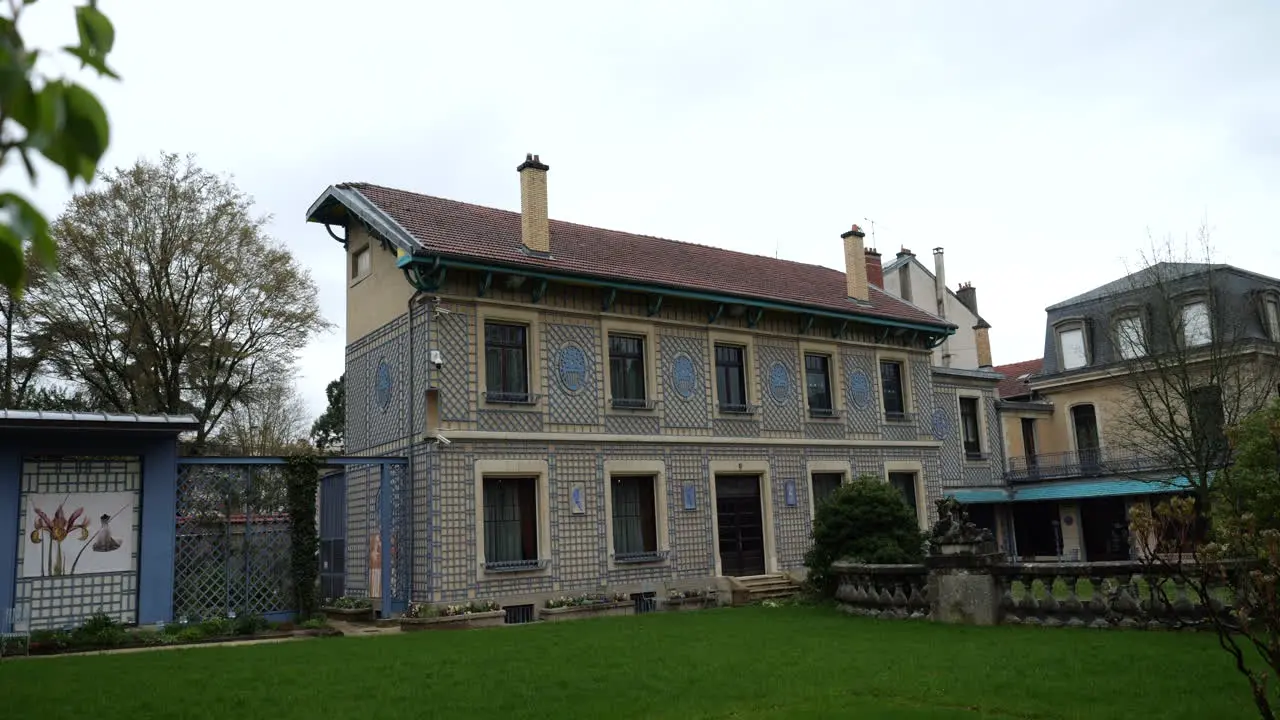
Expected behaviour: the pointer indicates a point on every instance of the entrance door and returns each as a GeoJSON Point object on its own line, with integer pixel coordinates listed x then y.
{"type": "Point", "coordinates": [1105, 526]}
{"type": "Point", "coordinates": [741, 525]}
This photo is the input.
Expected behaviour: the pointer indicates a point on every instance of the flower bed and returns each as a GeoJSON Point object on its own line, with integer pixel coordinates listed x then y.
{"type": "Point", "coordinates": [587, 605]}
{"type": "Point", "coordinates": [102, 632]}
{"type": "Point", "coordinates": [475, 614]}
{"type": "Point", "coordinates": [351, 609]}
{"type": "Point", "coordinates": [690, 599]}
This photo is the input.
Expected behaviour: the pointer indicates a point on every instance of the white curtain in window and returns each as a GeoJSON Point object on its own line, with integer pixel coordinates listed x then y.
{"type": "Point", "coordinates": [1195, 324]}
{"type": "Point", "coordinates": [1073, 355]}
{"type": "Point", "coordinates": [1129, 338]}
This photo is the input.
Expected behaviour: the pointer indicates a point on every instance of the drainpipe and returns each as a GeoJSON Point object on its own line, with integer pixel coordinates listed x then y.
{"type": "Point", "coordinates": [413, 401]}
{"type": "Point", "coordinates": [940, 294]}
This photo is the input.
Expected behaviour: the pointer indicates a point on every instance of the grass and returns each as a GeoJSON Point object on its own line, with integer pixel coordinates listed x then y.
{"type": "Point", "coordinates": [789, 662]}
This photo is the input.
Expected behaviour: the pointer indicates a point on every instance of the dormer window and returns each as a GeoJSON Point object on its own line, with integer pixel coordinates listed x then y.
{"type": "Point", "coordinates": [1196, 328]}
{"type": "Point", "coordinates": [1130, 337]}
{"type": "Point", "coordinates": [1271, 316]}
{"type": "Point", "coordinates": [1073, 345]}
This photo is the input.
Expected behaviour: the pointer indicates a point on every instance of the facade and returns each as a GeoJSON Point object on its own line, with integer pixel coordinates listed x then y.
{"type": "Point", "coordinates": [586, 409]}
{"type": "Point", "coordinates": [907, 279]}
{"type": "Point", "coordinates": [1072, 469]}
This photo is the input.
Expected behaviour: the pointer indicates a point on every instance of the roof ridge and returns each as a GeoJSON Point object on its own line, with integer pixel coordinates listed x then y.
{"type": "Point", "coordinates": [516, 214]}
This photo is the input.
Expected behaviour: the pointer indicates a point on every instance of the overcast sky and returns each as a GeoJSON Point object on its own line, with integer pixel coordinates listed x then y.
{"type": "Point", "coordinates": [1039, 143]}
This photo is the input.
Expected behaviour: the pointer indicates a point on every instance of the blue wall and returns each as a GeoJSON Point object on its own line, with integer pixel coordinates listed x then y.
{"type": "Point", "coordinates": [159, 454]}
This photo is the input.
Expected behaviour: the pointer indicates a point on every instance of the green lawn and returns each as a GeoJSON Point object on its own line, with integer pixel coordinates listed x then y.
{"type": "Point", "coordinates": [789, 662]}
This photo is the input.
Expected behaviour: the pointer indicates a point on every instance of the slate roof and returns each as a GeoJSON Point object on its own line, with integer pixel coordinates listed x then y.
{"type": "Point", "coordinates": [474, 232]}
{"type": "Point", "coordinates": [1142, 278]}
{"type": "Point", "coordinates": [1011, 386]}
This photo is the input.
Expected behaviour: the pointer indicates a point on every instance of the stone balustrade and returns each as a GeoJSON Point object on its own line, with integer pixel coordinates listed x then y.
{"type": "Point", "coordinates": [884, 591]}
{"type": "Point", "coordinates": [1098, 595]}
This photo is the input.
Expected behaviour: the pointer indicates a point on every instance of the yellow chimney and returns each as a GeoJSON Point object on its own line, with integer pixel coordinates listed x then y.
{"type": "Point", "coordinates": [535, 229]}
{"type": "Point", "coordinates": [855, 264]}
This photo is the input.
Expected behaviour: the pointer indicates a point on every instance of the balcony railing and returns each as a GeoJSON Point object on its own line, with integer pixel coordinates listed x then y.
{"type": "Point", "coordinates": [1080, 464]}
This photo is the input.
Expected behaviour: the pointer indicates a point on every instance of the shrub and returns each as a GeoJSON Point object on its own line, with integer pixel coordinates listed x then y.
{"type": "Point", "coordinates": [190, 634]}
{"type": "Point", "coordinates": [348, 603]}
{"type": "Point", "coordinates": [100, 630]}
{"type": "Point", "coordinates": [250, 624]}
{"type": "Point", "coordinates": [217, 627]}
{"type": "Point", "coordinates": [866, 521]}
{"type": "Point", "coordinates": [315, 623]}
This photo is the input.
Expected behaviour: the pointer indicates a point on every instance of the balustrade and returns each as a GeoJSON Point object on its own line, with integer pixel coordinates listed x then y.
{"type": "Point", "coordinates": [884, 591]}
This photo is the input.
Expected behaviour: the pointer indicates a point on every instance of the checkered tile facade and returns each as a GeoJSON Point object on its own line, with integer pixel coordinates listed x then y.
{"type": "Point", "coordinates": [454, 334]}
{"type": "Point", "coordinates": [782, 403]}
{"type": "Point", "coordinates": [632, 424]}
{"type": "Point", "coordinates": [68, 601]}
{"type": "Point", "coordinates": [566, 405]}
{"type": "Point", "coordinates": [862, 410]}
{"type": "Point", "coordinates": [677, 411]}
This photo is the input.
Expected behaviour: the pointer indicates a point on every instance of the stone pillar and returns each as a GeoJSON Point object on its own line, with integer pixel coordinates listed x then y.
{"type": "Point", "coordinates": [962, 586]}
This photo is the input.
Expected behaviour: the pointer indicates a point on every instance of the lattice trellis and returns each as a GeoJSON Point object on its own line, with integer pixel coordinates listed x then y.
{"type": "Point", "coordinates": [398, 512]}
{"type": "Point", "coordinates": [231, 549]}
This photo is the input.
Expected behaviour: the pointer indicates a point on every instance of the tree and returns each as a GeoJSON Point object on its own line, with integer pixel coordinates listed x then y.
{"type": "Point", "coordinates": [1183, 393]}
{"type": "Point", "coordinates": [1238, 566]}
{"type": "Point", "coordinates": [329, 431]}
{"type": "Point", "coordinates": [54, 117]}
{"type": "Point", "coordinates": [171, 297]}
{"type": "Point", "coordinates": [867, 521]}
{"type": "Point", "coordinates": [269, 421]}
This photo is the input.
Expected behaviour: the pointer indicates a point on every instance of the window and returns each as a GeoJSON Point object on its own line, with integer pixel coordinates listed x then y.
{"type": "Point", "coordinates": [1196, 330]}
{"type": "Point", "coordinates": [635, 524]}
{"type": "Point", "coordinates": [731, 378]}
{"type": "Point", "coordinates": [1073, 350]}
{"type": "Point", "coordinates": [1271, 316]}
{"type": "Point", "coordinates": [824, 485]}
{"type": "Point", "coordinates": [895, 400]}
{"type": "Point", "coordinates": [817, 378]}
{"type": "Point", "coordinates": [627, 371]}
{"type": "Point", "coordinates": [1129, 338]}
{"type": "Point", "coordinates": [905, 482]}
{"type": "Point", "coordinates": [510, 522]}
{"type": "Point", "coordinates": [1029, 442]}
{"type": "Point", "coordinates": [971, 428]}
{"type": "Point", "coordinates": [360, 263]}
{"type": "Point", "coordinates": [506, 362]}
{"type": "Point", "coordinates": [1208, 420]}
{"type": "Point", "coordinates": [1084, 420]}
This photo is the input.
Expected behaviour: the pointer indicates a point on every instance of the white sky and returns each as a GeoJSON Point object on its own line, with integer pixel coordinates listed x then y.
{"type": "Point", "coordinates": [1037, 142]}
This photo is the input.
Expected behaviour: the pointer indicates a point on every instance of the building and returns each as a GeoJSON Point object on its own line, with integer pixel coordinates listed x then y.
{"type": "Point", "coordinates": [587, 409]}
{"type": "Point", "coordinates": [1075, 465]}
{"type": "Point", "coordinates": [907, 279]}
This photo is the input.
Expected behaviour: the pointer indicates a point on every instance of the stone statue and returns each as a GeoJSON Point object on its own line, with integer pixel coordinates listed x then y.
{"type": "Point", "coordinates": [953, 526]}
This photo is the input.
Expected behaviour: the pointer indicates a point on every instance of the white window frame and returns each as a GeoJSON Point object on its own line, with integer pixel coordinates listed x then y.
{"type": "Point", "coordinates": [361, 256]}
{"type": "Point", "coordinates": [1202, 333]}
{"type": "Point", "coordinates": [1125, 347]}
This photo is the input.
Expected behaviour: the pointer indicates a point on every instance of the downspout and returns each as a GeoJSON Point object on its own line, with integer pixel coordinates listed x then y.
{"type": "Point", "coordinates": [409, 477]}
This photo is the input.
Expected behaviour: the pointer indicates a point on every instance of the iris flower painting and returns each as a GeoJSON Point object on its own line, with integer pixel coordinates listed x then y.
{"type": "Point", "coordinates": [62, 535]}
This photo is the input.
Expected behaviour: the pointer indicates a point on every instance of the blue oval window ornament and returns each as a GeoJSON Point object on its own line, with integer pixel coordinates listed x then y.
{"type": "Point", "coordinates": [573, 368]}
{"type": "Point", "coordinates": [779, 383]}
{"type": "Point", "coordinates": [382, 385]}
{"type": "Point", "coordinates": [859, 389]}
{"type": "Point", "coordinates": [683, 378]}
{"type": "Point", "coordinates": [941, 424]}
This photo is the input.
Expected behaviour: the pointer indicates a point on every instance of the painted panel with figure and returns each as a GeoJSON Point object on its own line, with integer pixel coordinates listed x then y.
{"type": "Point", "coordinates": [73, 534]}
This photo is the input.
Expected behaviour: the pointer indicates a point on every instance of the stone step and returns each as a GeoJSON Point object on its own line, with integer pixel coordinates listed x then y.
{"type": "Point", "coordinates": [773, 594]}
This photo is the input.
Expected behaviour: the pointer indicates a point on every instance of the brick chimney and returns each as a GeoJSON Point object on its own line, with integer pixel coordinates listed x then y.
{"type": "Point", "coordinates": [982, 339]}
{"type": "Point", "coordinates": [535, 230]}
{"type": "Point", "coordinates": [875, 269]}
{"type": "Point", "coordinates": [905, 253]}
{"type": "Point", "coordinates": [855, 264]}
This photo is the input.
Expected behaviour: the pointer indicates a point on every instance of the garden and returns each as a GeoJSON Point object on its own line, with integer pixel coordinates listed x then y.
{"type": "Point", "coordinates": [792, 661]}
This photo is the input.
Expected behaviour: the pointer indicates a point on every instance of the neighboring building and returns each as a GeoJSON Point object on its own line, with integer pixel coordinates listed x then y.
{"type": "Point", "coordinates": [1070, 476]}
{"type": "Point", "coordinates": [588, 409]}
{"type": "Point", "coordinates": [907, 279]}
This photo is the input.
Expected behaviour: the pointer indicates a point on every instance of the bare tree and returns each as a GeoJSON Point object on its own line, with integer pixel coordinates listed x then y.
{"type": "Point", "coordinates": [1195, 359]}
{"type": "Point", "coordinates": [270, 421]}
{"type": "Point", "coordinates": [171, 297]}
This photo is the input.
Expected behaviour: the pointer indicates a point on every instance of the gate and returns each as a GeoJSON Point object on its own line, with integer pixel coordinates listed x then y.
{"type": "Point", "coordinates": [231, 550]}
{"type": "Point", "coordinates": [333, 535]}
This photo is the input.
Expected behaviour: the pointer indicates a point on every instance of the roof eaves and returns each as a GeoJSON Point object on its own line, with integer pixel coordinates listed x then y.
{"type": "Point", "coordinates": [369, 213]}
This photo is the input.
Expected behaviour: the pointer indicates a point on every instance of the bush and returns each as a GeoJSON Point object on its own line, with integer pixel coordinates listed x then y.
{"type": "Point", "coordinates": [250, 624]}
{"type": "Point", "coordinates": [100, 630]}
{"type": "Point", "coordinates": [315, 623]}
{"type": "Point", "coordinates": [217, 627]}
{"type": "Point", "coordinates": [866, 521]}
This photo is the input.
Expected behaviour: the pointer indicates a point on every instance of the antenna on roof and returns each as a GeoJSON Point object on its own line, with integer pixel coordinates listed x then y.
{"type": "Point", "coordinates": [872, 223]}
{"type": "Point", "coordinates": [777, 244]}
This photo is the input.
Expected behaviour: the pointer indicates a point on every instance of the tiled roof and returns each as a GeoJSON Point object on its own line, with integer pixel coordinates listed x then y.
{"type": "Point", "coordinates": [463, 230]}
{"type": "Point", "coordinates": [1011, 385]}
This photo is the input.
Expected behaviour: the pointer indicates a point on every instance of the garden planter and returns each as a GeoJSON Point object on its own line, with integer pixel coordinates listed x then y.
{"type": "Point", "coordinates": [349, 614]}
{"type": "Point", "coordinates": [578, 612]}
{"type": "Point", "coordinates": [492, 618]}
{"type": "Point", "coordinates": [695, 603]}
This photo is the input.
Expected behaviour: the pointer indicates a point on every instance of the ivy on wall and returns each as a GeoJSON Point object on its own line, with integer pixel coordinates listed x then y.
{"type": "Point", "coordinates": [302, 480]}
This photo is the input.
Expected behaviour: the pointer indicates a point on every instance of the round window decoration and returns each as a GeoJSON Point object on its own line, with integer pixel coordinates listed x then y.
{"type": "Point", "coordinates": [941, 424]}
{"type": "Point", "coordinates": [382, 385]}
{"type": "Point", "coordinates": [779, 383]}
{"type": "Point", "coordinates": [573, 368]}
{"type": "Point", "coordinates": [859, 389]}
{"type": "Point", "coordinates": [684, 380]}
